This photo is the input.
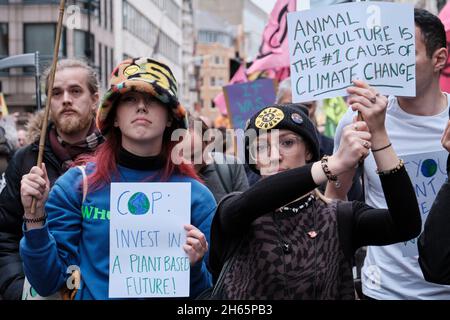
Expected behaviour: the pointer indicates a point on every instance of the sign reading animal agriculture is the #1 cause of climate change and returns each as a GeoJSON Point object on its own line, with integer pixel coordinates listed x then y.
{"type": "Point", "coordinates": [371, 41]}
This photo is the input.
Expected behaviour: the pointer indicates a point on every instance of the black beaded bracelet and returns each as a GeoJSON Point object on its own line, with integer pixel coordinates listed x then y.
{"type": "Point", "coordinates": [400, 165]}
{"type": "Point", "coordinates": [331, 177]}
{"type": "Point", "coordinates": [35, 220]}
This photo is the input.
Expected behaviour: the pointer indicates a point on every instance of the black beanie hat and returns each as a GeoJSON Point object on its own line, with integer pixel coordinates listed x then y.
{"type": "Point", "coordinates": [293, 117]}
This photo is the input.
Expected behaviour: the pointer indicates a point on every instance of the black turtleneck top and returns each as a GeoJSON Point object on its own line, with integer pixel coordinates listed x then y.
{"type": "Point", "coordinates": [132, 161]}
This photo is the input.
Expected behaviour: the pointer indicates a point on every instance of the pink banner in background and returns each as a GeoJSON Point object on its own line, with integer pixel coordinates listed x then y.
{"type": "Point", "coordinates": [444, 15]}
{"type": "Point", "coordinates": [274, 50]}
{"type": "Point", "coordinates": [273, 55]}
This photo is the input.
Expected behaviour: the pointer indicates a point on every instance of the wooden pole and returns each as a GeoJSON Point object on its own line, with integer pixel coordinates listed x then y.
{"type": "Point", "coordinates": [51, 81]}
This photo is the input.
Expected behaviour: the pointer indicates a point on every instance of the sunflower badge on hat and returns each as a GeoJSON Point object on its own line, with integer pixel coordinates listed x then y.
{"type": "Point", "coordinates": [147, 76]}
{"type": "Point", "coordinates": [269, 118]}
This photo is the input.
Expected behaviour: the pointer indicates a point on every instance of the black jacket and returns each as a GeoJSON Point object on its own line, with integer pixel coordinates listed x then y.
{"type": "Point", "coordinates": [434, 242]}
{"type": "Point", "coordinates": [11, 212]}
{"type": "Point", "coordinates": [239, 213]}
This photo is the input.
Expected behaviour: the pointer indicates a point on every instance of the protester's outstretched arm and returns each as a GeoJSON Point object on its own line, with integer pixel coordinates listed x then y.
{"type": "Point", "coordinates": [238, 212]}
{"type": "Point", "coordinates": [47, 255]}
{"type": "Point", "coordinates": [402, 220]}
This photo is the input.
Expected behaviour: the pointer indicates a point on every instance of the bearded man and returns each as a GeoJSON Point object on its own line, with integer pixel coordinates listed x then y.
{"type": "Point", "coordinates": [71, 133]}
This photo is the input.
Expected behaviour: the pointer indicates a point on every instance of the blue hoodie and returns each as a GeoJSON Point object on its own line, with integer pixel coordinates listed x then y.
{"type": "Point", "coordinates": [80, 237]}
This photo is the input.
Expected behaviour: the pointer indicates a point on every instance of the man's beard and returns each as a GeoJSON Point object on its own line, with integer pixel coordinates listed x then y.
{"type": "Point", "coordinates": [73, 123]}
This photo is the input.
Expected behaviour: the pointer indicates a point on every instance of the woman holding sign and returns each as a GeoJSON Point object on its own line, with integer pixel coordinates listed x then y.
{"type": "Point", "coordinates": [288, 241]}
{"type": "Point", "coordinates": [72, 232]}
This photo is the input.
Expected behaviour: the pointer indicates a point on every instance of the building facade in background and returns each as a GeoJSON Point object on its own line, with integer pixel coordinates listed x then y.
{"type": "Point", "coordinates": [102, 32]}
{"type": "Point", "coordinates": [197, 38]}
{"type": "Point", "coordinates": [150, 28]}
{"type": "Point", "coordinates": [30, 25]}
{"type": "Point", "coordinates": [214, 49]}
{"type": "Point", "coordinates": [244, 15]}
{"type": "Point", "coordinates": [190, 93]}
{"type": "Point", "coordinates": [226, 30]}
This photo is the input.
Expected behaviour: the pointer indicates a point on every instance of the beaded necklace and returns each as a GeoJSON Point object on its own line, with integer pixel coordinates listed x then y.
{"type": "Point", "coordinates": [285, 245]}
{"type": "Point", "coordinates": [285, 210]}
{"type": "Point", "coordinates": [302, 206]}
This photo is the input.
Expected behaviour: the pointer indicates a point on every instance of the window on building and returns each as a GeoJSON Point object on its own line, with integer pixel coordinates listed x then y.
{"type": "Point", "coordinates": [105, 17]}
{"type": "Point", "coordinates": [4, 48]}
{"type": "Point", "coordinates": [138, 25]}
{"type": "Point", "coordinates": [41, 37]}
{"type": "Point", "coordinates": [91, 4]}
{"type": "Point", "coordinates": [205, 36]}
{"type": "Point", "coordinates": [38, 1]}
{"type": "Point", "coordinates": [100, 12]}
{"type": "Point", "coordinates": [213, 81]}
{"type": "Point", "coordinates": [107, 71]}
{"type": "Point", "coordinates": [192, 82]}
{"type": "Point", "coordinates": [112, 64]}
{"type": "Point", "coordinates": [142, 28]}
{"type": "Point", "coordinates": [83, 45]}
{"type": "Point", "coordinates": [111, 15]}
{"type": "Point", "coordinates": [171, 9]}
{"type": "Point", "coordinates": [168, 48]}
{"type": "Point", "coordinates": [100, 62]}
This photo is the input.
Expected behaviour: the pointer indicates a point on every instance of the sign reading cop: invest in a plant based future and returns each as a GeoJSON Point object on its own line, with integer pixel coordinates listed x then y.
{"type": "Point", "coordinates": [146, 240]}
{"type": "Point", "coordinates": [371, 41]}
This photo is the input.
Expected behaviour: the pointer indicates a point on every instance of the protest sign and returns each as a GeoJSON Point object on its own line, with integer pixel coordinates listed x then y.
{"type": "Point", "coordinates": [245, 99]}
{"type": "Point", "coordinates": [331, 46]}
{"type": "Point", "coordinates": [428, 173]}
{"type": "Point", "coordinates": [146, 240]}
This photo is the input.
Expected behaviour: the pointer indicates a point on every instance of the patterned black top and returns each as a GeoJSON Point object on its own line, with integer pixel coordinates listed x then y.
{"type": "Point", "coordinates": [304, 255]}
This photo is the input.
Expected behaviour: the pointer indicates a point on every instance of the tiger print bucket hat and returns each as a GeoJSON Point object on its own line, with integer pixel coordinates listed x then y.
{"type": "Point", "coordinates": [142, 75]}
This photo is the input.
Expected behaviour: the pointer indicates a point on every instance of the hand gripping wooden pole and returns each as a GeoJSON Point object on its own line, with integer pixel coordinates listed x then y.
{"type": "Point", "coordinates": [51, 81]}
